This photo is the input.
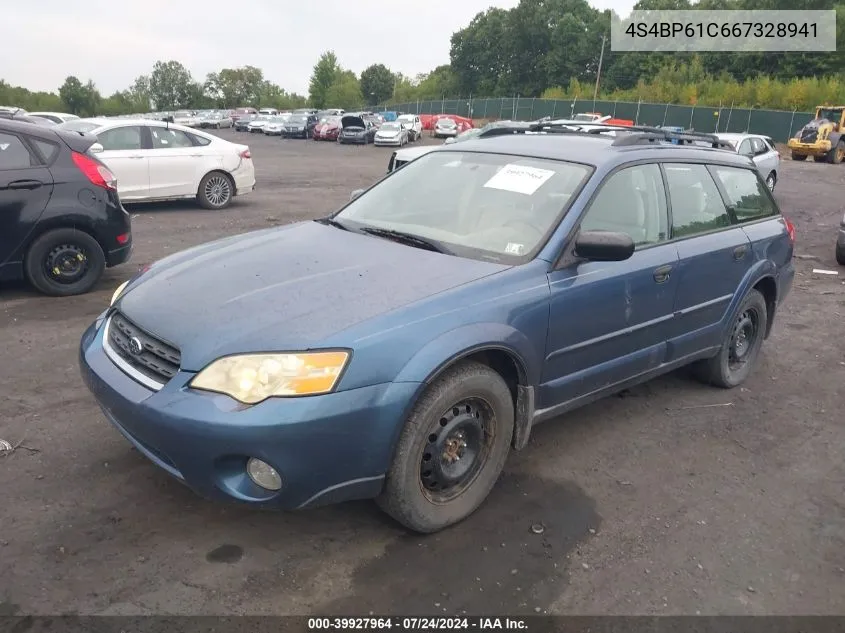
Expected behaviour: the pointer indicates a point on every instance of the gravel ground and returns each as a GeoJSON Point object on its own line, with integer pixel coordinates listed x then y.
{"type": "Point", "coordinates": [672, 498]}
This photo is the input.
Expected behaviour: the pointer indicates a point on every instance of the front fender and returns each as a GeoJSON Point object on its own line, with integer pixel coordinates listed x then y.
{"type": "Point", "coordinates": [463, 341]}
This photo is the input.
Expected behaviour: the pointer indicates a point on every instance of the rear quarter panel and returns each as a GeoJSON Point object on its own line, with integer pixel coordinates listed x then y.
{"type": "Point", "coordinates": [770, 243]}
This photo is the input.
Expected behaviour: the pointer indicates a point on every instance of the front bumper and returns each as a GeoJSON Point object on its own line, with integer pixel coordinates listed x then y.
{"type": "Point", "coordinates": [820, 147]}
{"type": "Point", "coordinates": [388, 141]}
{"type": "Point", "coordinates": [352, 140]}
{"type": "Point", "coordinates": [295, 133]}
{"type": "Point", "coordinates": [327, 449]}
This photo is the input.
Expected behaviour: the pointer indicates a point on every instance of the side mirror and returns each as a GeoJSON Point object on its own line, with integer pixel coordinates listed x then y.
{"type": "Point", "coordinates": [355, 194]}
{"type": "Point", "coordinates": [96, 148]}
{"type": "Point", "coordinates": [604, 246]}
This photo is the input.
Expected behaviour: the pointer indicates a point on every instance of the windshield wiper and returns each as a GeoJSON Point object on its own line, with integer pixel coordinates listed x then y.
{"type": "Point", "coordinates": [332, 222]}
{"type": "Point", "coordinates": [407, 238]}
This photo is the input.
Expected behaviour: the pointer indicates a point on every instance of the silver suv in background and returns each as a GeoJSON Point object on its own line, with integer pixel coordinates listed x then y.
{"type": "Point", "coordinates": [761, 149]}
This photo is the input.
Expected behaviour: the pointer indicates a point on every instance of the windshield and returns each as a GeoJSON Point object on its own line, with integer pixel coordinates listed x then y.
{"type": "Point", "coordinates": [446, 122]}
{"type": "Point", "coordinates": [391, 126]}
{"type": "Point", "coordinates": [276, 119]}
{"type": "Point", "coordinates": [262, 117]}
{"type": "Point", "coordinates": [330, 120]}
{"type": "Point", "coordinates": [485, 206]}
{"type": "Point", "coordinates": [298, 118]}
{"type": "Point", "coordinates": [80, 126]}
{"type": "Point", "coordinates": [830, 114]}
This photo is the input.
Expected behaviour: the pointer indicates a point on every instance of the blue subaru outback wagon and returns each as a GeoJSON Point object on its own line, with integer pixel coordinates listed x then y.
{"type": "Point", "coordinates": [400, 348]}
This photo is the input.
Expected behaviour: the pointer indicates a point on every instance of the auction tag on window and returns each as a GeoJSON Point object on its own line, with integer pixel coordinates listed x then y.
{"type": "Point", "coordinates": [515, 249]}
{"type": "Point", "coordinates": [519, 179]}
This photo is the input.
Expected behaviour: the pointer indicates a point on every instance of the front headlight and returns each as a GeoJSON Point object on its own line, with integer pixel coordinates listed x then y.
{"type": "Point", "coordinates": [117, 292]}
{"type": "Point", "coordinates": [252, 378]}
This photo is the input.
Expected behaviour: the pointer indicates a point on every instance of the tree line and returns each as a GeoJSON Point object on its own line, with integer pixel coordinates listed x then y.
{"type": "Point", "coordinates": [540, 48]}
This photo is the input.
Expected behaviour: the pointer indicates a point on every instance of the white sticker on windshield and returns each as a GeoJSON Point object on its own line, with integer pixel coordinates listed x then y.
{"type": "Point", "coordinates": [4, 146]}
{"type": "Point", "coordinates": [515, 249]}
{"type": "Point", "coordinates": [519, 179]}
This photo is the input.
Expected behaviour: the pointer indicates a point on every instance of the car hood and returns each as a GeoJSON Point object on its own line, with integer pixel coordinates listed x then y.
{"type": "Point", "coordinates": [353, 121]}
{"type": "Point", "coordinates": [286, 288]}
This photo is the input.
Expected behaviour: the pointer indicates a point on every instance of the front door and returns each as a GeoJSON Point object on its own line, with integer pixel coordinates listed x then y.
{"type": "Point", "coordinates": [25, 188]}
{"type": "Point", "coordinates": [609, 321]}
{"type": "Point", "coordinates": [124, 154]}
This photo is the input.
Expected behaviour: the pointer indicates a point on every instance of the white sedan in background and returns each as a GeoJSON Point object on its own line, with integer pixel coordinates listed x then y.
{"type": "Point", "coordinates": [55, 117]}
{"type": "Point", "coordinates": [156, 161]}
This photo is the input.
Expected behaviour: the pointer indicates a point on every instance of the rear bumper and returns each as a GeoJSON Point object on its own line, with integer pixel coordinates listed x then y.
{"type": "Point", "coordinates": [244, 178]}
{"type": "Point", "coordinates": [347, 140]}
{"type": "Point", "coordinates": [119, 255]}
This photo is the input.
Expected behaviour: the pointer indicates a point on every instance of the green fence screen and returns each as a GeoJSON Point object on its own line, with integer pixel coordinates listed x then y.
{"type": "Point", "coordinates": [778, 124]}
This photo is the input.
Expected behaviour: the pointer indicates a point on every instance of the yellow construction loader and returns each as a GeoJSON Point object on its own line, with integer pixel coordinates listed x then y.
{"type": "Point", "coordinates": [823, 138]}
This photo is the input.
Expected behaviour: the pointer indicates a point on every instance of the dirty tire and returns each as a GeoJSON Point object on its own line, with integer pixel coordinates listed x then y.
{"type": "Point", "coordinates": [840, 254]}
{"type": "Point", "coordinates": [822, 159]}
{"type": "Point", "coordinates": [725, 369]}
{"type": "Point", "coordinates": [216, 191]}
{"type": "Point", "coordinates": [58, 248]}
{"type": "Point", "coordinates": [405, 496]}
{"type": "Point", "coordinates": [799, 156]}
{"type": "Point", "coordinates": [837, 154]}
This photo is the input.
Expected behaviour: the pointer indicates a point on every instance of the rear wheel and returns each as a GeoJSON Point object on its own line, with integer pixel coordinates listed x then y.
{"type": "Point", "coordinates": [216, 191]}
{"type": "Point", "coordinates": [799, 156]}
{"type": "Point", "coordinates": [837, 154]}
{"type": "Point", "coordinates": [840, 254]}
{"type": "Point", "coordinates": [741, 347]}
{"type": "Point", "coordinates": [452, 449]}
{"type": "Point", "coordinates": [64, 262]}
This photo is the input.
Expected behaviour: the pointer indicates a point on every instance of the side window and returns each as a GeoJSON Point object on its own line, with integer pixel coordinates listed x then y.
{"type": "Point", "coordinates": [168, 138]}
{"type": "Point", "coordinates": [198, 140]}
{"type": "Point", "coordinates": [47, 149]}
{"type": "Point", "coordinates": [758, 146]}
{"type": "Point", "coordinates": [747, 195]}
{"type": "Point", "coordinates": [745, 147]}
{"type": "Point", "coordinates": [631, 201]}
{"type": "Point", "coordinates": [14, 154]}
{"type": "Point", "coordinates": [121, 138]}
{"type": "Point", "coordinates": [697, 205]}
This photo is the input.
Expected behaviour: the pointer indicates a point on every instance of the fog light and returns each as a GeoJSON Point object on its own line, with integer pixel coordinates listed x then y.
{"type": "Point", "coordinates": [263, 474]}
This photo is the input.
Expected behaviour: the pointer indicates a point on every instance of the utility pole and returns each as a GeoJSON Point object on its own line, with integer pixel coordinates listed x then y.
{"type": "Point", "coordinates": [598, 74]}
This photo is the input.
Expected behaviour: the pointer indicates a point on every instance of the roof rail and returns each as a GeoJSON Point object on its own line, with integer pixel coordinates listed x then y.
{"type": "Point", "coordinates": [649, 136]}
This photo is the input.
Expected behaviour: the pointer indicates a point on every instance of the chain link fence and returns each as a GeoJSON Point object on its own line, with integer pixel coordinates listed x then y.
{"type": "Point", "coordinates": [778, 124]}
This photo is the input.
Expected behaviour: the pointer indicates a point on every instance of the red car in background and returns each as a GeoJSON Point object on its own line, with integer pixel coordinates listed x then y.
{"type": "Point", "coordinates": [327, 129]}
{"type": "Point", "coordinates": [463, 122]}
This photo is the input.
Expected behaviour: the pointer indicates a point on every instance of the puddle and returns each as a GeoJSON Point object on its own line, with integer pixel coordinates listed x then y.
{"type": "Point", "coordinates": [493, 561]}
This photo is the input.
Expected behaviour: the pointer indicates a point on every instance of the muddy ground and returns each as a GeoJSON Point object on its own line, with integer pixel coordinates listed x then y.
{"type": "Point", "coordinates": [673, 498]}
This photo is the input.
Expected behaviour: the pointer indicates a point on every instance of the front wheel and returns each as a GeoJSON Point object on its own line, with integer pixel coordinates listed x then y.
{"type": "Point", "coordinates": [840, 254]}
{"type": "Point", "coordinates": [741, 346]}
{"type": "Point", "coordinates": [452, 449]}
{"type": "Point", "coordinates": [64, 262]}
{"type": "Point", "coordinates": [771, 181]}
{"type": "Point", "coordinates": [216, 191]}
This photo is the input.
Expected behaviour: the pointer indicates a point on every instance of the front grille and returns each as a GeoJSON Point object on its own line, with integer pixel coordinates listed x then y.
{"type": "Point", "coordinates": [157, 360]}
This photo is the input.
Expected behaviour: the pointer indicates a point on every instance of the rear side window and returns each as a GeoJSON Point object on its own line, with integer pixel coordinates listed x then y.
{"type": "Point", "coordinates": [697, 205]}
{"type": "Point", "coordinates": [747, 195]}
{"type": "Point", "coordinates": [758, 146]}
{"type": "Point", "coordinates": [47, 149]}
{"type": "Point", "coordinates": [198, 140]}
{"type": "Point", "coordinates": [168, 138]}
{"type": "Point", "coordinates": [14, 154]}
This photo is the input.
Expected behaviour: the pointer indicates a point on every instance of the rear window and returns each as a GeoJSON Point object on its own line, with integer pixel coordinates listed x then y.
{"type": "Point", "coordinates": [747, 195]}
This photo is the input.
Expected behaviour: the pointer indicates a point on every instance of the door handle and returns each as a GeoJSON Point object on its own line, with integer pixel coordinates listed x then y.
{"type": "Point", "coordinates": [740, 251]}
{"type": "Point", "coordinates": [662, 274]}
{"type": "Point", "coordinates": [25, 184]}
{"type": "Point", "coordinates": [196, 155]}
{"type": "Point", "coordinates": [136, 157]}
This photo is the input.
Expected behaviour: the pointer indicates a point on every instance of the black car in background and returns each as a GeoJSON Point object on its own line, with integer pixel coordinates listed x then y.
{"type": "Point", "coordinates": [61, 220]}
{"type": "Point", "coordinates": [244, 120]}
{"type": "Point", "coordinates": [357, 129]}
{"type": "Point", "coordinates": [299, 126]}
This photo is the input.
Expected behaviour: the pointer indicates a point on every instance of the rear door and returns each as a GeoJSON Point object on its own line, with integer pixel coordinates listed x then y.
{"type": "Point", "coordinates": [715, 255]}
{"type": "Point", "coordinates": [25, 189]}
{"type": "Point", "coordinates": [125, 155]}
{"type": "Point", "coordinates": [176, 164]}
{"type": "Point", "coordinates": [765, 157]}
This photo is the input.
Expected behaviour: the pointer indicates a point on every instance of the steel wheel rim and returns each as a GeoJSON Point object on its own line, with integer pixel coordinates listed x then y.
{"type": "Point", "coordinates": [770, 181]}
{"type": "Point", "coordinates": [456, 450]}
{"type": "Point", "coordinates": [218, 190]}
{"type": "Point", "coordinates": [743, 339]}
{"type": "Point", "coordinates": [66, 263]}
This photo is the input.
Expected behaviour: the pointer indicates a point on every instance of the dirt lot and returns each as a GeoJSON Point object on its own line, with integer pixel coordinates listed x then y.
{"type": "Point", "coordinates": [661, 501]}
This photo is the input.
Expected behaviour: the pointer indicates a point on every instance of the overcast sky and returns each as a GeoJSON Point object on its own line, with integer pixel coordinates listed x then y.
{"type": "Point", "coordinates": [112, 42]}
